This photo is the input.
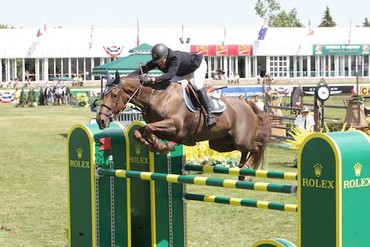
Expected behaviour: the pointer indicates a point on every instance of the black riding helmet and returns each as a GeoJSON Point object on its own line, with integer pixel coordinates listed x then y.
{"type": "Point", "coordinates": [159, 51]}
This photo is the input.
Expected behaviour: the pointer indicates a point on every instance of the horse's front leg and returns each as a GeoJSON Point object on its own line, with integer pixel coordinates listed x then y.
{"type": "Point", "coordinates": [146, 136]}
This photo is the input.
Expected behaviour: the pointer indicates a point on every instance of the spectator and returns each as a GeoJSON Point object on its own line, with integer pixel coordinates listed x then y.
{"type": "Point", "coordinates": [305, 120]}
{"type": "Point", "coordinates": [258, 102]}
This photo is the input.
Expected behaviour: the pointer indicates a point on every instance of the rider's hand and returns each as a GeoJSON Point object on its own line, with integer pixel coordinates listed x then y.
{"type": "Point", "coordinates": [147, 80]}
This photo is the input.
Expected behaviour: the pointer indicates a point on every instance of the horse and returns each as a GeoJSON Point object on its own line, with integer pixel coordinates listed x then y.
{"type": "Point", "coordinates": [241, 126]}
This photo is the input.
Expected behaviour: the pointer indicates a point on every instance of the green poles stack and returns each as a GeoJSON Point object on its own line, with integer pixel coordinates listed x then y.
{"type": "Point", "coordinates": [190, 179]}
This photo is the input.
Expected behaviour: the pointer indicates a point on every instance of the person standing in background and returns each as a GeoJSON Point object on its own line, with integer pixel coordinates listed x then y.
{"type": "Point", "coordinates": [305, 120]}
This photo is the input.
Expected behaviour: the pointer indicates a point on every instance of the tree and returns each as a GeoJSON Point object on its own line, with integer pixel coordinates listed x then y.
{"type": "Point", "coordinates": [276, 17]}
{"type": "Point", "coordinates": [366, 23]}
{"type": "Point", "coordinates": [285, 19]}
{"type": "Point", "coordinates": [327, 19]}
{"type": "Point", "coordinates": [266, 11]}
{"type": "Point", "coordinates": [5, 26]}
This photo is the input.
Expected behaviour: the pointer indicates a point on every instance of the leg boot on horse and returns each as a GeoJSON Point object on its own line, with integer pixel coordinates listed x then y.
{"type": "Point", "coordinates": [210, 118]}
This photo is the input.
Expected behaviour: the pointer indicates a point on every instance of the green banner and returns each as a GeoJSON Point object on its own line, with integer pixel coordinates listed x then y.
{"type": "Point", "coordinates": [343, 49]}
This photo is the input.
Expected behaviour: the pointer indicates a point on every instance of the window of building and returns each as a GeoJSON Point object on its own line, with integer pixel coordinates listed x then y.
{"type": "Point", "coordinates": [279, 66]}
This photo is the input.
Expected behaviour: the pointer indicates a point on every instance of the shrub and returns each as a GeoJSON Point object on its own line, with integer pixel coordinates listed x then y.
{"type": "Point", "coordinates": [82, 99]}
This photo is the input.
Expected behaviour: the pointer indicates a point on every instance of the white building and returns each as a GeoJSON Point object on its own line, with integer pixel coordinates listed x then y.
{"type": "Point", "coordinates": [287, 54]}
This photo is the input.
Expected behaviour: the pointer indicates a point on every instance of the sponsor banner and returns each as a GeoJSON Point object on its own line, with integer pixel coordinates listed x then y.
{"type": "Point", "coordinates": [202, 49]}
{"type": "Point", "coordinates": [222, 50]}
{"type": "Point", "coordinates": [241, 91]}
{"type": "Point", "coordinates": [245, 50]}
{"type": "Point", "coordinates": [344, 49]}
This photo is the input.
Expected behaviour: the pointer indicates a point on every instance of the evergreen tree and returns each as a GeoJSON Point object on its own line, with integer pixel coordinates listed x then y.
{"type": "Point", "coordinates": [41, 99]}
{"type": "Point", "coordinates": [22, 98]}
{"type": "Point", "coordinates": [31, 96]}
{"type": "Point", "coordinates": [327, 19]}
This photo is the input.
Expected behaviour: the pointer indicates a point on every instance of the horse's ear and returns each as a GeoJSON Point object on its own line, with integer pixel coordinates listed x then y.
{"type": "Point", "coordinates": [117, 79]}
{"type": "Point", "coordinates": [110, 79]}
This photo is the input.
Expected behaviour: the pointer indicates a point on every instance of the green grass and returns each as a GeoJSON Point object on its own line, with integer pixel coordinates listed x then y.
{"type": "Point", "coordinates": [33, 182]}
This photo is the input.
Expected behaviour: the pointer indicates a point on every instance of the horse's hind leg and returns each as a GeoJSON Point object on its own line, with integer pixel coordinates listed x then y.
{"type": "Point", "coordinates": [246, 161]}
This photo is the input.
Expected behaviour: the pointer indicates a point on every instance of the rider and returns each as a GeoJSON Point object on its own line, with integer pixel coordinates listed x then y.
{"type": "Point", "coordinates": [176, 66]}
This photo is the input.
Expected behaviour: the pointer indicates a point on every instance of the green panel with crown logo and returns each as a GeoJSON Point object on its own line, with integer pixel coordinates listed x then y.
{"type": "Point", "coordinates": [80, 165]}
{"type": "Point", "coordinates": [355, 186]}
{"type": "Point", "coordinates": [333, 194]}
{"type": "Point", "coordinates": [94, 219]}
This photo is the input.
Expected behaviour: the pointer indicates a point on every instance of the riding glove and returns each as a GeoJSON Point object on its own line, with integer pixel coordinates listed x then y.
{"type": "Point", "coordinates": [147, 80]}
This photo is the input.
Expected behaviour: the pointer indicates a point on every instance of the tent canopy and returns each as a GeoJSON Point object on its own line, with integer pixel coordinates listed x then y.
{"type": "Point", "coordinates": [124, 65]}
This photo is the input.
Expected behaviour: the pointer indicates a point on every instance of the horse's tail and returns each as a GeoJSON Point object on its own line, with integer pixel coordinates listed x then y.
{"type": "Point", "coordinates": [264, 129]}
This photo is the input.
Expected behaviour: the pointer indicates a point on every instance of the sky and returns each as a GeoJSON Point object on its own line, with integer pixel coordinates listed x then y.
{"type": "Point", "coordinates": [171, 13]}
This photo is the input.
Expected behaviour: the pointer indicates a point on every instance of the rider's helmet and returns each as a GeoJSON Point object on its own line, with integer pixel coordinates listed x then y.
{"type": "Point", "coordinates": [159, 51]}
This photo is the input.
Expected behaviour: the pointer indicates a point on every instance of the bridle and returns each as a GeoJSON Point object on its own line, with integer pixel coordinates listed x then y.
{"type": "Point", "coordinates": [110, 114]}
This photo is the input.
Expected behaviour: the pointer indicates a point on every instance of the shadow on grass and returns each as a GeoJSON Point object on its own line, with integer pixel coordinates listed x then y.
{"type": "Point", "coordinates": [65, 135]}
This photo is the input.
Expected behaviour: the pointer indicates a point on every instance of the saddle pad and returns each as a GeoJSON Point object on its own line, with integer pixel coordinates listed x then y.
{"type": "Point", "coordinates": [216, 105]}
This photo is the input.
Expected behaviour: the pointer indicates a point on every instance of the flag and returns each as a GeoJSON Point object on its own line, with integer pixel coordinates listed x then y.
{"type": "Point", "coordinates": [42, 30]}
{"type": "Point", "coordinates": [113, 50]}
{"type": "Point", "coordinates": [263, 31]}
{"type": "Point", "coordinates": [310, 30]}
{"type": "Point", "coordinates": [182, 41]}
{"type": "Point", "coordinates": [137, 33]}
{"type": "Point", "coordinates": [40, 33]}
{"type": "Point", "coordinates": [350, 32]}
{"type": "Point", "coordinates": [91, 35]}
{"type": "Point", "coordinates": [224, 39]}
{"type": "Point", "coordinates": [106, 144]}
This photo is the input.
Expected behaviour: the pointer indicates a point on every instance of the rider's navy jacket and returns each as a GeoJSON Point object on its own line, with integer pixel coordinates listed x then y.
{"type": "Point", "coordinates": [178, 63]}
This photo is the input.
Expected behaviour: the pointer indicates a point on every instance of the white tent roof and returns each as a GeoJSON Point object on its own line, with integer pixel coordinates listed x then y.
{"type": "Point", "coordinates": [74, 42]}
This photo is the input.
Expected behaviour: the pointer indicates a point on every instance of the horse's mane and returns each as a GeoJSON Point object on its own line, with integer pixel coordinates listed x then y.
{"type": "Point", "coordinates": [133, 74]}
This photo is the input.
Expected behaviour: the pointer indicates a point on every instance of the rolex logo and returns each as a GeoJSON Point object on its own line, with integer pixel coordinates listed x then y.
{"type": "Point", "coordinates": [137, 150]}
{"type": "Point", "coordinates": [357, 167]}
{"type": "Point", "coordinates": [79, 153]}
{"type": "Point", "coordinates": [317, 169]}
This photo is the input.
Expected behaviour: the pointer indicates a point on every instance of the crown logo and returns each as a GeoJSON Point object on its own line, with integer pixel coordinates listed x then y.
{"type": "Point", "coordinates": [357, 167]}
{"type": "Point", "coordinates": [79, 153]}
{"type": "Point", "coordinates": [317, 169]}
{"type": "Point", "coordinates": [137, 150]}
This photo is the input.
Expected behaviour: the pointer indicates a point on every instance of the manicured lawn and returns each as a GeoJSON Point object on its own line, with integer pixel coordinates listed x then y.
{"type": "Point", "coordinates": [33, 182]}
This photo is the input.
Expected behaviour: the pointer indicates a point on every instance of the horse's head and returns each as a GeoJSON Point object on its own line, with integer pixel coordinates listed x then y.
{"type": "Point", "coordinates": [113, 102]}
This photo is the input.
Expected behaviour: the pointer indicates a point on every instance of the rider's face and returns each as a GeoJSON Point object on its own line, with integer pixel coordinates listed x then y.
{"type": "Point", "coordinates": [162, 63]}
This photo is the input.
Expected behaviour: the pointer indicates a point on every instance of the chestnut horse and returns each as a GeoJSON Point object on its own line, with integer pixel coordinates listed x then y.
{"type": "Point", "coordinates": [242, 126]}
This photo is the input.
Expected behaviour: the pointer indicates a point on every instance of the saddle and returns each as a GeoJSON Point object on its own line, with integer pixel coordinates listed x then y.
{"type": "Point", "coordinates": [192, 100]}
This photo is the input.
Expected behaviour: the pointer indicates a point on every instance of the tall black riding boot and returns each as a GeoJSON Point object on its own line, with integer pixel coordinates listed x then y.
{"type": "Point", "coordinates": [210, 118]}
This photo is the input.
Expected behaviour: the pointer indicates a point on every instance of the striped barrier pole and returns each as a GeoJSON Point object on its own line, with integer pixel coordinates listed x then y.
{"type": "Point", "coordinates": [243, 172]}
{"type": "Point", "coordinates": [189, 179]}
{"type": "Point", "coordinates": [242, 202]}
